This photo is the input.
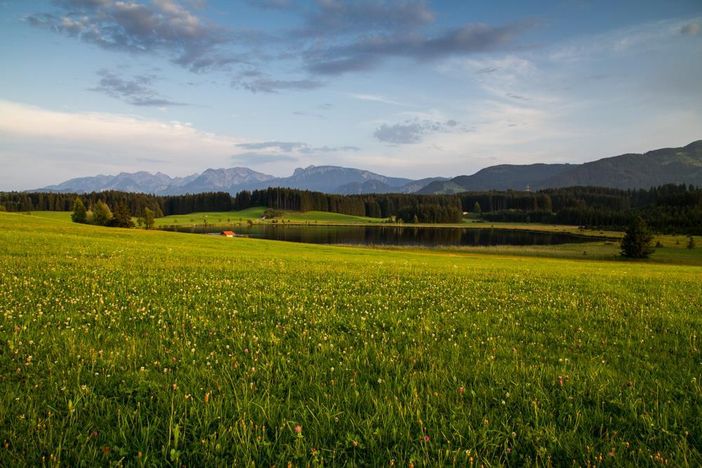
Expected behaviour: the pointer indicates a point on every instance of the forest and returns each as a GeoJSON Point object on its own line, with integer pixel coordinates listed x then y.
{"type": "Point", "coordinates": [669, 208]}
{"type": "Point", "coordinates": [666, 209]}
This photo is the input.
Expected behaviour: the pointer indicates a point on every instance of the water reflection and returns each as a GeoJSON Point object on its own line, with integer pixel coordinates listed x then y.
{"type": "Point", "coordinates": [393, 235]}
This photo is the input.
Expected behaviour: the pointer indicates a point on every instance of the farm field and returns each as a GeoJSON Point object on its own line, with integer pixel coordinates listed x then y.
{"type": "Point", "coordinates": [149, 348]}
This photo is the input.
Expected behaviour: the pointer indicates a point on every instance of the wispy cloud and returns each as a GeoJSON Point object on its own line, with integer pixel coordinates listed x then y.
{"type": "Point", "coordinates": [276, 145]}
{"type": "Point", "coordinates": [288, 146]}
{"type": "Point", "coordinates": [377, 98]}
{"type": "Point", "coordinates": [272, 4]}
{"type": "Point", "coordinates": [368, 52]}
{"type": "Point", "coordinates": [268, 152]}
{"type": "Point", "coordinates": [137, 91]}
{"type": "Point", "coordinates": [337, 17]}
{"type": "Point", "coordinates": [255, 159]}
{"type": "Point", "coordinates": [271, 85]}
{"type": "Point", "coordinates": [413, 131]}
{"type": "Point", "coordinates": [647, 36]}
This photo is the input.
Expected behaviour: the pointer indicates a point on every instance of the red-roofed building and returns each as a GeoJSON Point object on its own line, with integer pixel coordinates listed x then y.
{"type": "Point", "coordinates": [228, 233]}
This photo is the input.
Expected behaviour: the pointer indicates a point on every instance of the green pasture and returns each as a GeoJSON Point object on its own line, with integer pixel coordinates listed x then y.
{"type": "Point", "coordinates": [133, 347]}
{"type": "Point", "coordinates": [254, 214]}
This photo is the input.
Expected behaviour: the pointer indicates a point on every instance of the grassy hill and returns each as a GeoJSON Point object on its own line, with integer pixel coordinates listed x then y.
{"type": "Point", "coordinates": [146, 347]}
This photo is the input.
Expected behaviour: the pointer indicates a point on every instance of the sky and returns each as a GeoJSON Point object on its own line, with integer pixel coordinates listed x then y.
{"type": "Point", "coordinates": [407, 88]}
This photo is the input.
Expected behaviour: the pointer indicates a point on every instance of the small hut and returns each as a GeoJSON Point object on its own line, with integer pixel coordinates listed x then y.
{"type": "Point", "coordinates": [227, 233]}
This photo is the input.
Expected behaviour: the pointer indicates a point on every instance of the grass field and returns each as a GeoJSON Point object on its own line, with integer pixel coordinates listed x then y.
{"type": "Point", "coordinates": [254, 214]}
{"type": "Point", "coordinates": [149, 348]}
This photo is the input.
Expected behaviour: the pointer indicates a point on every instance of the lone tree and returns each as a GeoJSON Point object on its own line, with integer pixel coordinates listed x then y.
{"type": "Point", "coordinates": [148, 219]}
{"type": "Point", "coordinates": [476, 208]}
{"type": "Point", "coordinates": [637, 240]}
{"type": "Point", "coordinates": [80, 214]}
{"type": "Point", "coordinates": [102, 214]}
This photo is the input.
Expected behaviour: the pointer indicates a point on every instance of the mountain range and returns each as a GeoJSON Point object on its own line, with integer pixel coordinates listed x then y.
{"type": "Point", "coordinates": [328, 179]}
{"type": "Point", "coordinates": [627, 171]}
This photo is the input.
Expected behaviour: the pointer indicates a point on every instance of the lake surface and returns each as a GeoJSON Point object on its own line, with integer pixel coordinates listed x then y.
{"type": "Point", "coordinates": [394, 235]}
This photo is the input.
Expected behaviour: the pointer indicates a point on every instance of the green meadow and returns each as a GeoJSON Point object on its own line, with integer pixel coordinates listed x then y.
{"type": "Point", "coordinates": [254, 214]}
{"type": "Point", "coordinates": [150, 348]}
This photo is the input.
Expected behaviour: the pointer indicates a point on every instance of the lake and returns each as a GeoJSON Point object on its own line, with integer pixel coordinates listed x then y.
{"type": "Point", "coordinates": [394, 235]}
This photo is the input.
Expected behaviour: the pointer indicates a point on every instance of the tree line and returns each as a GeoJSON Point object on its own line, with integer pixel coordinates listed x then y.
{"type": "Point", "coordinates": [669, 208]}
{"type": "Point", "coordinates": [408, 207]}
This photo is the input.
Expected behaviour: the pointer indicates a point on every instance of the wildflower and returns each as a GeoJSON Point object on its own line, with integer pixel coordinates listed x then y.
{"type": "Point", "coordinates": [298, 429]}
{"type": "Point", "coordinates": [461, 390]}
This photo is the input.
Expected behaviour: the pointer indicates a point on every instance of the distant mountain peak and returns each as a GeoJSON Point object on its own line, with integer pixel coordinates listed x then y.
{"type": "Point", "coordinates": [330, 179]}
{"type": "Point", "coordinates": [632, 170]}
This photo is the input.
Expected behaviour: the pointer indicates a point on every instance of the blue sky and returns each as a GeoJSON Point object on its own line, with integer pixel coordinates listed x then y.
{"type": "Point", "coordinates": [407, 88]}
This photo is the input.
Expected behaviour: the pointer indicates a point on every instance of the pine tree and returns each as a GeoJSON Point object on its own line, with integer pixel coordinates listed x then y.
{"type": "Point", "coordinates": [476, 208]}
{"type": "Point", "coordinates": [637, 240]}
{"type": "Point", "coordinates": [80, 214]}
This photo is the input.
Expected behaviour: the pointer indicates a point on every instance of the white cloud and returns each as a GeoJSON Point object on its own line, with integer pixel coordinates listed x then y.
{"type": "Point", "coordinates": [44, 146]}
{"type": "Point", "coordinates": [378, 98]}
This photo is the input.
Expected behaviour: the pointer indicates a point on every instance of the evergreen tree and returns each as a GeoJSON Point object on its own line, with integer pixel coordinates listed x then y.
{"type": "Point", "coordinates": [476, 208]}
{"type": "Point", "coordinates": [121, 217]}
{"type": "Point", "coordinates": [102, 214]}
{"type": "Point", "coordinates": [80, 214]}
{"type": "Point", "coordinates": [637, 240]}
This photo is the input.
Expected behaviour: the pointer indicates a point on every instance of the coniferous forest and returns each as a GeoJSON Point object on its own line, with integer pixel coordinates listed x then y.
{"type": "Point", "coordinates": [669, 208]}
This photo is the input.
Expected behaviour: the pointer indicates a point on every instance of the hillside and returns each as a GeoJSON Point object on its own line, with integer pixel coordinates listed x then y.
{"type": "Point", "coordinates": [630, 171]}
{"type": "Point", "coordinates": [627, 171]}
{"type": "Point", "coordinates": [502, 177]}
